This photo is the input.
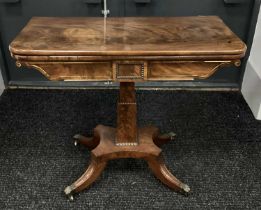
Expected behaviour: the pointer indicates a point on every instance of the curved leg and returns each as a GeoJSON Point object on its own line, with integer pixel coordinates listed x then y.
{"type": "Point", "coordinates": [91, 174]}
{"type": "Point", "coordinates": [160, 170]}
{"type": "Point", "coordinates": [163, 138]}
{"type": "Point", "coordinates": [89, 142]}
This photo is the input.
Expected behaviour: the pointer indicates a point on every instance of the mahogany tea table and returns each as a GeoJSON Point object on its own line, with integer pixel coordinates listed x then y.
{"type": "Point", "coordinates": [126, 50]}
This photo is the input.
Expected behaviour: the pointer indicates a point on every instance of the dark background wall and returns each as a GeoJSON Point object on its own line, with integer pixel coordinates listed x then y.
{"type": "Point", "coordinates": [240, 16]}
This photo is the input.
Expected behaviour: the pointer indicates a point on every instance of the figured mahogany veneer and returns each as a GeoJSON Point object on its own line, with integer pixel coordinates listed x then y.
{"type": "Point", "coordinates": [138, 71]}
{"type": "Point", "coordinates": [136, 36]}
{"type": "Point", "coordinates": [104, 149]}
{"type": "Point", "coordinates": [126, 50]}
{"type": "Point", "coordinates": [137, 49]}
{"type": "Point", "coordinates": [73, 71]}
{"type": "Point", "coordinates": [184, 70]}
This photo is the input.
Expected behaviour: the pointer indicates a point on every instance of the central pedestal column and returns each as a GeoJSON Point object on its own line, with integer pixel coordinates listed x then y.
{"type": "Point", "coordinates": [125, 141]}
{"type": "Point", "coordinates": [127, 131]}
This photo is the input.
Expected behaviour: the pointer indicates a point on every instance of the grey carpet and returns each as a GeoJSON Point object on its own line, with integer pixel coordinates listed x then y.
{"type": "Point", "coordinates": [217, 151]}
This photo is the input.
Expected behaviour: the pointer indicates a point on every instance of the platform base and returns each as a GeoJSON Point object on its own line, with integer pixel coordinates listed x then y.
{"type": "Point", "coordinates": [103, 149]}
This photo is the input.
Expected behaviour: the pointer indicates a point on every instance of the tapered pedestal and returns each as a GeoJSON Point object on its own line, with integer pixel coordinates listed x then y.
{"type": "Point", "coordinates": [125, 141]}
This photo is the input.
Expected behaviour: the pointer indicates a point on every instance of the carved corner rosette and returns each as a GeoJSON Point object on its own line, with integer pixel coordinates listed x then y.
{"type": "Point", "coordinates": [237, 63]}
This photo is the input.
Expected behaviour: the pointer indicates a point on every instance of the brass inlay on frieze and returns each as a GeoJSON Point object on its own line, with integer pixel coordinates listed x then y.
{"type": "Point", "coordinates": [135, 70]}
{"type": "Point", "coordinates": [119, 76]}
{"type": "Point", "coordinates": [19, 64]}
{"type": "Point", "coordinates": [130, 70]}
{"type": "Point", "coordinates": [41, 70]}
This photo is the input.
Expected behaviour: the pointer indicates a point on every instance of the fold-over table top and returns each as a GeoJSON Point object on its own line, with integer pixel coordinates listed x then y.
{"type": "Point", "coordinates": [134, 36]}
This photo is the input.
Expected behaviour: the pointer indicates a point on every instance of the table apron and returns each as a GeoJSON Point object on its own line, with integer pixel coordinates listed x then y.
{"type": "Point", "coordinates": [128, 70]}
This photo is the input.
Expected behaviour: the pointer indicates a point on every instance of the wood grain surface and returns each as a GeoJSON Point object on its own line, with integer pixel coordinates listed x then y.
{"type": "Point", "coordinates": [106, 150]}
{"type": "Point", "coordinates": [174, 70]}
{"type": "Point", "coordinates": [79, 36]}
{"type": "Point", "coordinates": [73, 71]}
{"type": "Point", "coordinates": [126, 133]}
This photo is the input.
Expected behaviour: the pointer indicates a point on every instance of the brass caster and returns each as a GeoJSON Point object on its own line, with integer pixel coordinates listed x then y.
{"type": "Point", "coordinates": [68, 192]}
{"type": "Point", "coordinates": [171, 135]}
{"type": "Point", "coordinates": [71, 198]}
{"type": "Point", "coordinates": [76, 143]}
{"type": "Point", "coordinates": [88, 142]}
{"type": "Point", "coordinates": [185, 190]}
{"type": "Point", "coordinates": [77, 136]}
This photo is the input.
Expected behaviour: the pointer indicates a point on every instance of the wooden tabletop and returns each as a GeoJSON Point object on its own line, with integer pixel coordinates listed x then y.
{"type": "Point", "coordinates": [138, 36]}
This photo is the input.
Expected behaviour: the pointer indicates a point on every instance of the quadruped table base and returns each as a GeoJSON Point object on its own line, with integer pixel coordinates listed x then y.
{"type": "Point", "coordinates": [110, 143]}
{"type": "Point", "coordinates": [103, 149]}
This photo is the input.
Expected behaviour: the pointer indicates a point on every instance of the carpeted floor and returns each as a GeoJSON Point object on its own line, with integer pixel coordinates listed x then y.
{"type": "Point", "coordinates": [217, 151]}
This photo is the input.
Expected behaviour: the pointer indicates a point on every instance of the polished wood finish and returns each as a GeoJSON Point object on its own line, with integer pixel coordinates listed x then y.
{"type": "Point", "coordinates": [128, 71]}
{"type": "Point", "coordinates": [125, 141]}
{"type": "Point", "coordinates": [78, 36]}
{"type": "Point", "coordinates": [74, 71]}
{"type": "Point", "coordinates": [107, 150]}
{"type": "Point", "coordinates": [174, 70]}
{"type": "Point", "coordinates": [126, 50]}
{"type": "Point", "coordinates": [127, 116]}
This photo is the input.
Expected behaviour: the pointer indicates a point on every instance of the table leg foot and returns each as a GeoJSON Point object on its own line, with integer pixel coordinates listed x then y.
{"type": "Point", "coordinates": [68, 192]}
{"type": "Point", "coordinates": [89, 142]}
{"type": "Point", "coordinates": [94, 170]}
{"type": "Point", "coordinates": [163, 138]}
{"type": "Point", "coordinates": [160, 170]}
{"type": "Point", "coordinates": [106, 150]}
